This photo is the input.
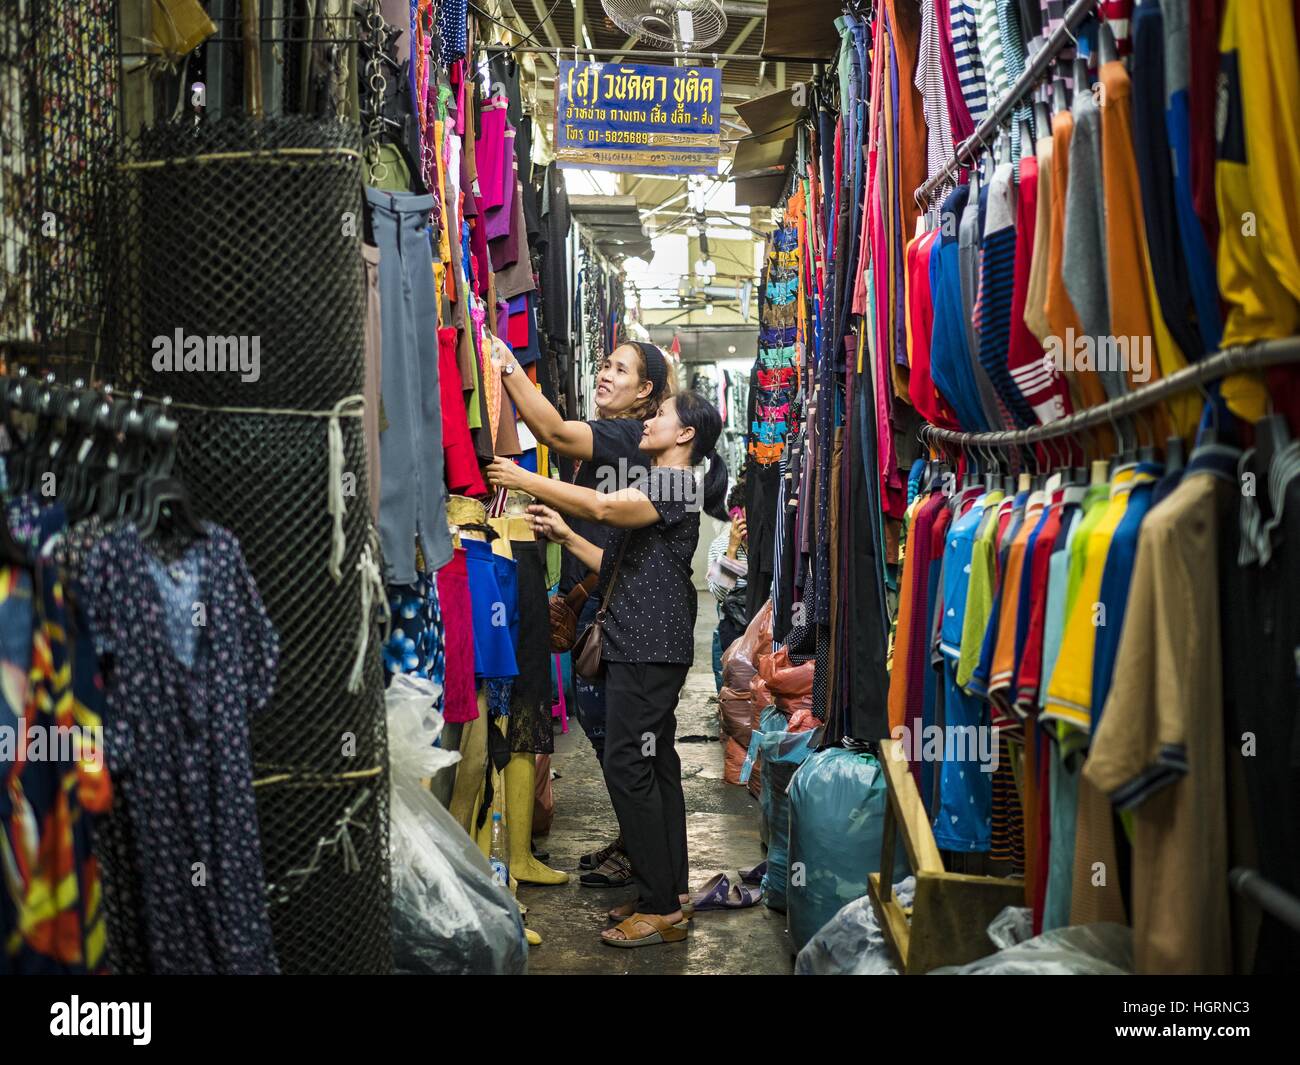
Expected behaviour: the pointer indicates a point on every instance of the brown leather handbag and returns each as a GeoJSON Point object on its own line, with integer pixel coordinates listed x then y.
{"type": "Point", "coordinates": [589, 646]}
{"type": "Point", "coordinates": [564, 613]}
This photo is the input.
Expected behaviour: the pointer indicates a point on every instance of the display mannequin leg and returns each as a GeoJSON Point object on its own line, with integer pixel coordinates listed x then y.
{"type": "Point", "coordinates": [469, 771]}
{"type": "Point", "coordinates": [445, 779]}
{"type": "Point", "coordinates": [521, 793]}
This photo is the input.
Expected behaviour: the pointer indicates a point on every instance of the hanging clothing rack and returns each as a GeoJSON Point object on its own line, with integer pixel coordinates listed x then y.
{"type": "Point", "coordinates": [969, 149]}
{"type": "Point", "coordinates": [1256, 356]}
{"type": "Point", "coordinates": [627, 54]}
{"type": "Point", "coordinates": [1251, 884]}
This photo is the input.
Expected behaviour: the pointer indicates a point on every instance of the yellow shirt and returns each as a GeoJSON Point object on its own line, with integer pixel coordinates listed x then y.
{"type": "Point", "coordinates": [1257, 182]}
{"type": "Point", "coordinates": [1069, 694]}
{"type": "Point", "coordinates": [979, 593]}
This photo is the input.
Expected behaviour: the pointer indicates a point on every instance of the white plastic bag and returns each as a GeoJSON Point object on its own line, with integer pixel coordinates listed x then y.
{"type": "Point", "coordinates": [449, 915]}
{"type": "Point", "coordinates": [1080, 950]}
{"type": "Point", "coordinates": [851, 943]}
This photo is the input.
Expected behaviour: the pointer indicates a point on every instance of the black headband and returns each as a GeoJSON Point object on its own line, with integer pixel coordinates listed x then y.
{"type": "Point", "coordinates": [656, 366]}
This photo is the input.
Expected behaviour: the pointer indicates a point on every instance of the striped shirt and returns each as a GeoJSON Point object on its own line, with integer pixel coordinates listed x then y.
{"type": "Point", "coordinates": [1013, 52]}
{"type": "Point", "coordinates": [929, 82]}
{"type": "Point", "coordinates": [990, 38]}
{"type": "Point", "coordinates": [970, 65]}
{"type": "Point", "coordinates": [716, 550]}
{"type": "Point", "coordinates": [1053, 20]}
{"type": "Point", "coordinates": [997, 282]}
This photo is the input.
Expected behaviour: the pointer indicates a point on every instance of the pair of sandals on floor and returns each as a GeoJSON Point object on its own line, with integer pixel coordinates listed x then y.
{"type": "Point", "coordinates": [637, 929]}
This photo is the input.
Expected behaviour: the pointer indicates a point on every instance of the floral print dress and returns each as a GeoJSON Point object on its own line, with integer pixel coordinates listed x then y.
{"type": "Point", "coordinates": [179, 706]}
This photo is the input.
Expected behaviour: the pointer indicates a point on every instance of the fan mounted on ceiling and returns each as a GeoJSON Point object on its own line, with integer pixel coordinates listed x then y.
{"type": "Point", "coordinates": [670, 24]}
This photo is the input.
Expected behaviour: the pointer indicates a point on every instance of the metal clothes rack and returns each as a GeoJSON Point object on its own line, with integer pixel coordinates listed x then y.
{"type": "Point", "coordinates": [1281, 904]}
{"type": "Point", "coordinates": [1255, 356]}
{"type": "Point", "coordinates": [626, 54]}
{"type": "Point", "coordinates": [970, 148]}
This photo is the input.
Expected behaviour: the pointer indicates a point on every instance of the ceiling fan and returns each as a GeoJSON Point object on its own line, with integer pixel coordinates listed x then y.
{"type": "Point", "coordinates": [680, 25]}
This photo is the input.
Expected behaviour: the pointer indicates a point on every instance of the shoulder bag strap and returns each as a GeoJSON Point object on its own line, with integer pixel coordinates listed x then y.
{"type": "Point", "coordinates": [613, 577]}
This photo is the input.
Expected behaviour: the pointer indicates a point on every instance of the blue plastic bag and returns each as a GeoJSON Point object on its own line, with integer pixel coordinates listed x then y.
{"type": "Point", "coordinates": [837, 815]}
{"type": "Point", "coordinates": [781, 753]}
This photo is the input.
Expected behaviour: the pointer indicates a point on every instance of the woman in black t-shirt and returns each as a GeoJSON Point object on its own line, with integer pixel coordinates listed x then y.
{"type": "Point", "coordinates": [649, 640]}
{"type": "Point", "coordinates": [632, 380]}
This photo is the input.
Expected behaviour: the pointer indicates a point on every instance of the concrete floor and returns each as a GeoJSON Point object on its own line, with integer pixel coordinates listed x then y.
{"type": "Point", "coordinates": [722, 828]}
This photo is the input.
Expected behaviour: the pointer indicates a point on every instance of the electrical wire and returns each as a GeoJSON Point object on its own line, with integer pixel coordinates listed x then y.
{"type": "Point", "coordinates": [515, 29]}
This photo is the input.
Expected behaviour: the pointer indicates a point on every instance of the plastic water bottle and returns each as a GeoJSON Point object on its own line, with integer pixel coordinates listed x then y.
{"type": "Point", "coordinates": [499, 852]}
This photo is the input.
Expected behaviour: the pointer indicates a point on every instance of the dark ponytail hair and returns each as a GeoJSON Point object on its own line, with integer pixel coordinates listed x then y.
{"type": "Point", "coordinates": [696, 412]}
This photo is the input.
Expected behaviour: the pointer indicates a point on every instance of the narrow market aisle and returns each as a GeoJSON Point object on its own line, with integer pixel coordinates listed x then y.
{"type": "Point", "coordinates": [722, 827]}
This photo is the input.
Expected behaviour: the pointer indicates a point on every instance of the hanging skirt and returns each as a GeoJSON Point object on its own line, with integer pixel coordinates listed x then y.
{"type": "Point", "coordinates": [530, 701]}
{"type": "Point", "coordinates": [493, 607]}
{"type": "Point", "coordinates": [459, 700]}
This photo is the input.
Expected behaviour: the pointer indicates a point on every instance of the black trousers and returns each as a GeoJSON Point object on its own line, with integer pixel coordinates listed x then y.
{"type": "Point", "coordinates": [644, 777]}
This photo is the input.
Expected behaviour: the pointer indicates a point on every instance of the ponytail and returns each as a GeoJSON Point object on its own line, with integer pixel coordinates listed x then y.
{"type": "Point", "coordinates": [698, 413]}
{"type": "Point", "coordinates": [715, 488]}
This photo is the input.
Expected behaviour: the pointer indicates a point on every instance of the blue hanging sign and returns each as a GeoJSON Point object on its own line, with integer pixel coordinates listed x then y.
{"type": "Point", "coordinates": [638, 119]}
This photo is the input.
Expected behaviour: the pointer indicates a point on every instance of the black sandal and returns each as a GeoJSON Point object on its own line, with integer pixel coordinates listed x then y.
{"type": "Point", "coordinates": [614, 872]}
{"type": "Point", "coordinates": [598, 858]}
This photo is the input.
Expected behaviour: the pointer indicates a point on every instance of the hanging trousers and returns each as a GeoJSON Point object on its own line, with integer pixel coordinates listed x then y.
{"type": "Point", "coordinates": [644, 777]}
{"type": "Point", "coordinates": [412, 497]}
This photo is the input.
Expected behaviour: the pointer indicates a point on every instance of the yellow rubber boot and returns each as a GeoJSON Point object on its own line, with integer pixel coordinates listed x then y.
{"type": "Point", "coordinates": [520, 780]}
{"type": "Point", "coordinates": [468, 788]}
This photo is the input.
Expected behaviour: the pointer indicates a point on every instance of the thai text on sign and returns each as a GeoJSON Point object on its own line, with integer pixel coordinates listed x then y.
{"type": "Point", "coordinates": [637, 118]}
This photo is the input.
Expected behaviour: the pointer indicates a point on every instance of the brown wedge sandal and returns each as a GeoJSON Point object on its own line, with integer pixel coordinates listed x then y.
{"type": "Point", "coordinates": [660, 931]}
{"type": "Point", "coordinates": [627, 909]}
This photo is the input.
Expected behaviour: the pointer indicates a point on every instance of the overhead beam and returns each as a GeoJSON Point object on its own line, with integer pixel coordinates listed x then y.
{"type": "Point", "coordinates": [734, 47]}
{"type": "Point", "coordinates": [628, 45]}
{"type": "Point", "coordinates": [508, 9]}
{"type": "Point", "coordinates": [580, 24]}
{"type": "Point", "coordinates": [548, 27]}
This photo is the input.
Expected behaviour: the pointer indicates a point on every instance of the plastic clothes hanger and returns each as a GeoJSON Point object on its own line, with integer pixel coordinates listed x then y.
{"type": "Point", "coordinates": [1146, 452]}
{"type": "Point", "coordinates": [1042, 120]}
{"type": "Point", "coordinates": [164, 499]}
{"type": "Point", "coordinates": [109, 488]}
{"type": "Point", "coordinates": [1107, 52]}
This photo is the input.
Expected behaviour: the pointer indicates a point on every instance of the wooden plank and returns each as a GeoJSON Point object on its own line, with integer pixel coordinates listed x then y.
{"type": "Point", "coordinates": [905, 800]}
{"type": "Point", "coordinates": [893, 920]}
{"type": "Point", "coordinates": [951, 915]}
{"type": "Point", "coordinates": [888, 838]}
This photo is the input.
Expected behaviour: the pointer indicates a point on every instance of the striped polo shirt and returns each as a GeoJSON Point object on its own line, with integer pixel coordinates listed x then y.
{"type": "Point", "coordinates": [966, 52]}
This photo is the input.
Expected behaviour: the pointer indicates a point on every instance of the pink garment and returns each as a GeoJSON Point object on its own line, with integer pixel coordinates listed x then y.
{"type": "Point", "coordinates": [490, 153]}
{"type": "Point", "coordinates": [479, 249]}
{"type": "Point", "coordinates": [460, 463]}
{"type": "Point", "coordinates": [881, 265]}
{"type": "Point", "coordinates": [560, 708]}
{"type": "Point", "coordinates": [498, 218]}
{"type": "Point", "coordinates": [458, 78]}
{"type": "Point", "coordinates": [959, 116]}
{"type": "Point", "coordinates": [459, 701]}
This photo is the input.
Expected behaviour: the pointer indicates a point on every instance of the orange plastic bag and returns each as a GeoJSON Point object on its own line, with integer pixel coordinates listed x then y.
{"type": "Point", "coordinates": [739, 661]}
{"type": "Point", "coordinates": [736, 715]}
{"type": "Point", "coordinates": [733, 760]}
{"type": "Point", "coordinates": [791, 686]}
{"type": "Point", "coordinates": [802, 720]}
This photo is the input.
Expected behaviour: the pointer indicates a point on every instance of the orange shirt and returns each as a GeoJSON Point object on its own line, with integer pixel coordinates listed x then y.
{"type": "Point", "coordinates": [1134, 313]}
{"type": "Point", "coordinates": [903, 635]}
